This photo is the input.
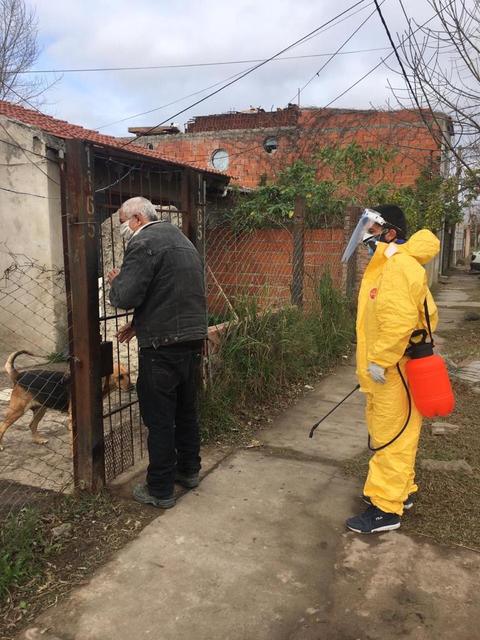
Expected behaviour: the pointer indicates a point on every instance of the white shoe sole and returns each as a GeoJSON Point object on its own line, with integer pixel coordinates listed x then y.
{"type": "Point", "coordinates": [387, 527]}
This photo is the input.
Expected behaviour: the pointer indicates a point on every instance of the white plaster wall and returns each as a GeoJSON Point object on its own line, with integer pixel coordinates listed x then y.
{"type": "Point", "coordinates": [32, 298]}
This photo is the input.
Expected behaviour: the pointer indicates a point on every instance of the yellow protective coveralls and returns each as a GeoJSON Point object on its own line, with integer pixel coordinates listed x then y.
{"type": "Point", "coordinates": [390, 308]}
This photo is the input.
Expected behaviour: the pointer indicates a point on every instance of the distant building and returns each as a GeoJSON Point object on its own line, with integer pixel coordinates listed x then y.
{"type": "Point", "coordinates": [254, 145]}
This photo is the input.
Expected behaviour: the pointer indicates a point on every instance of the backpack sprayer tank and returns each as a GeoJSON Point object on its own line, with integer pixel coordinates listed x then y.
{"type": "Point", "coordinates": [428, 376]}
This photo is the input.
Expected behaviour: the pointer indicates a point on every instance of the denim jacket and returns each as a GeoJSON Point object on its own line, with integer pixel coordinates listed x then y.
{"type": "Point", "coordinates": [162, 279]}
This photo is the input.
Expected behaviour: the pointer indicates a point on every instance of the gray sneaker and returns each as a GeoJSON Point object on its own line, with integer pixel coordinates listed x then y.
{"type": "Point", "coordinates": [408, 504]}
{"type": "Point", "coordinates": [141, 494]}
{"type": "Point", "coordinates": [189, 482]}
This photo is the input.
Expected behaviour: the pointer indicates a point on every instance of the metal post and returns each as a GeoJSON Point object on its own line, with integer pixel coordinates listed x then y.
{"type": "Point", "coordinates": [200, 210]}
{"type": "Point", "coordinates": [84, 335]}
{"type": "Point", "coordinates": [193, 197]}
{"type": "Point", "coordinates": [298, 251]}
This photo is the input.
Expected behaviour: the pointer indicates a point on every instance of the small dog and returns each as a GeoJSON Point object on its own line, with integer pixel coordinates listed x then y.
{"type": "Point", "coordinates": [41, 389]}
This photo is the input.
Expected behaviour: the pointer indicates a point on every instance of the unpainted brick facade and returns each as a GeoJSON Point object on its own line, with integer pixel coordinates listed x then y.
{"type": "Point", "coordinates": [299, 133]}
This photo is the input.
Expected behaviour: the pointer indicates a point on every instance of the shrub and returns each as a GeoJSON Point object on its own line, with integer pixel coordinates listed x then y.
{"type": "Point", "coordinates": [265, 350]}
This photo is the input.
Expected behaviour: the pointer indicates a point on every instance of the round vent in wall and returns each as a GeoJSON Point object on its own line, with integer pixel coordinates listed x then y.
{"type": "Point", "coordinates": [220, 160]}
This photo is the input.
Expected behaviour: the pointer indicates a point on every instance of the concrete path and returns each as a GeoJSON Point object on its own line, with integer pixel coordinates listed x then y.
{"type": "Point", "coordinates": [260, 552]}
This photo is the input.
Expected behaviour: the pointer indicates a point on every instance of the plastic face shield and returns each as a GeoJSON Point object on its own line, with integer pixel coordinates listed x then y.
{"type": "Point", "coordinates": [361, 232]}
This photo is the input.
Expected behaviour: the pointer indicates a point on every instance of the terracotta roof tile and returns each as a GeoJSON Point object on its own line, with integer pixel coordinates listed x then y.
{"type": "Point", "coordinates": [65, 130]}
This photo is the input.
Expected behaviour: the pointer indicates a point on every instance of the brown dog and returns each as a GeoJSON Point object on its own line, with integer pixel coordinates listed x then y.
{"type": "Point", "coordinates": [40, 389]}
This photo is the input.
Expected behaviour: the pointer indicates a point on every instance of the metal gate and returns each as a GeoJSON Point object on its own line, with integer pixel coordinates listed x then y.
{"type": "Point", "coordinates": [109, 436]}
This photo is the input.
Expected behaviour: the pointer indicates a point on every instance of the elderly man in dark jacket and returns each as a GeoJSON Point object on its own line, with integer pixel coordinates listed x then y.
{"type": "Point", "coordinates": [162, 279]}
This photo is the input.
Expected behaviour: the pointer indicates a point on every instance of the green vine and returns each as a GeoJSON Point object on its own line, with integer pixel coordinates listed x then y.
{"type": "Point", "coordinates": [340, 176]}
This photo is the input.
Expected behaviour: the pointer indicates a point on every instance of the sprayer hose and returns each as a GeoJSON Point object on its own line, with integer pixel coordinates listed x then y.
{"type": "Point", "coordinates": [406, 423]}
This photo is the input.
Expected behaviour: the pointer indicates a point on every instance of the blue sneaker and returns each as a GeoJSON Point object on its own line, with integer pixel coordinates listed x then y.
{"type": "Point", "coordinates": [373, 520]}
{"type": "Point", "coordinates": [142, 494]}
{"type": "Point", "coordinates": [408, 504]}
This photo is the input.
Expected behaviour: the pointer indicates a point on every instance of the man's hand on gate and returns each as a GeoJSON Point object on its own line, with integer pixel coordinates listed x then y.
{"type": "Point", "coordinates": [126, 333]}
{"type": "Point", "coordinates": [111, 275]}
{"type": "Point", "coordinates": [377, 373]}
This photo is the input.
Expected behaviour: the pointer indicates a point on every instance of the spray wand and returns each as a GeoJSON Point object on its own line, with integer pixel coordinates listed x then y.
{"type": "Point", "coordinates": [312, 430]}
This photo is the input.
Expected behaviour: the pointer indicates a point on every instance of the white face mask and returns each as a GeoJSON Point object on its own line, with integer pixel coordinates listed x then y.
{"type": "Point", "coordinates": [125, 231]}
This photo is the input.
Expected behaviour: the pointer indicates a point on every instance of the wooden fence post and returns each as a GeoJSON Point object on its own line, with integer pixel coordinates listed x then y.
{"type": "Point", "coordinates": [84, 335]}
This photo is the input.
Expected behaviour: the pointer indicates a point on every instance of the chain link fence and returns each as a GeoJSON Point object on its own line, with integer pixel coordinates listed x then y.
{"type": "Point", "coordinates": [35, 440]}
{"type": "Point", "coordinates": [276, 266]}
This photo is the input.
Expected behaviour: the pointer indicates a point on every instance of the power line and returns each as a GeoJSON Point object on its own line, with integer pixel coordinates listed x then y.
{"type": "Point", "coordinates": [337, 52]}
{"type": "Point", "coordinates": [34, 195]}
{"type": "Point", "coordinates": [18, 146]}
{"type": "Point", "coordinates": [243, 75]}
{"type": "Point", "coordinates": [25, 152]}
{"type": "Point", "coordinates": [113, 184]}
{"type": "Point", "coordinates": [382, 61]}
{"type": "Point", "coordinates": [169, 104]}
{"type": "Point", "coordinates": [216, 84]}
{"type": "Point", "coordinates": [354, 84]}
{"type": "Point", "coordinates": [409, 84]}
{"type": "Point", "coordinates": [194, 64]}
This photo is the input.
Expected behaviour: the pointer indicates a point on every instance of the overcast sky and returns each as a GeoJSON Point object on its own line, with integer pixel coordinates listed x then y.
{"type": "Point", "coordinates": [103, 33]}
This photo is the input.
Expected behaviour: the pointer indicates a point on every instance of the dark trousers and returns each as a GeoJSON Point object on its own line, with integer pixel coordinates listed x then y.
{"type": "Point", "coordinates": [167, 394]}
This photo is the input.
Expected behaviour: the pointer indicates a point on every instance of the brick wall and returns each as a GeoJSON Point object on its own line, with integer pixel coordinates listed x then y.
{"type": "Point", "coordinates": [245, 120]}
{"type": "Point", "coordinates": [261, 264]}
{"type": "Point", "coordinates": [300, 133]}
{"type": "Point", "coordinates": [248, 159]}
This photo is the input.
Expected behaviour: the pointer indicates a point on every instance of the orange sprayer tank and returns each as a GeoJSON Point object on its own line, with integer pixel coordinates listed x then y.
{"type": "Point", "coordinates": [430, 386]}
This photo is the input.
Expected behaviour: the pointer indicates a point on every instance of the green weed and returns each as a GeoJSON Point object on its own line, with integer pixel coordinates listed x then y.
{"type": "Point", "coordinates": [21, 539]}
{"type": "Point", "coordinates": [265, 350]}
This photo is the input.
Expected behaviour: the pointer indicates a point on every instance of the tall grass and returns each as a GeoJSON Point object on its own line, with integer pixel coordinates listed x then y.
{"type": "Point", "coordinates": [21, 539]}
{"type": "Point", "coordinates": [264, 351]}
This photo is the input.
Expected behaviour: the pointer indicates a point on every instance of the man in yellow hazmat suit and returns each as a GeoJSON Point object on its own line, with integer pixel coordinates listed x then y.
{"type": "Point", "coordinates": [390, 308]}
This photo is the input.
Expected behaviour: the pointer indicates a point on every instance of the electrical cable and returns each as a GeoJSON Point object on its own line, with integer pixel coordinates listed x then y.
{"type": "Point", "coordinates": [412, 91]}
{"type": "Point", "coordinates": [19, 146]}
{"type": "Point", "coordinates": [197, 64]}
{"type": "Point", "coordinates": [243, 75]}
{"type": "Point", "coordinates": [34, 195]}
{"type": "Point", "coordinates": [337, 52]}
{"type": "Point", "coordinates": [25, 152]}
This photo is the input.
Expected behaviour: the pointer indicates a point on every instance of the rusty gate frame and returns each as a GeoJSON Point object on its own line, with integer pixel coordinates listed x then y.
{"type": "Point", "coordinates": [81, 230]}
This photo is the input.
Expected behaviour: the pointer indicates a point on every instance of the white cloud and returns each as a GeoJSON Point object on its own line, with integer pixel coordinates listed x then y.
{"type": "Point", "coordinates": [148, 32]}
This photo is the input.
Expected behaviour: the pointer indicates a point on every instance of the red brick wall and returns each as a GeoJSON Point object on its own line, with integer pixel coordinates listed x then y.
{"type": "Point", "coordinates": [401, 131]}
{"type": "Point", "coordinates": [248, 159]}
{"type": "Point", "coordinates": [250, 120]}
{"type": "Point", "coordinates": [261, 264]}
{"type": "Point", "coordinates": [300, 133]}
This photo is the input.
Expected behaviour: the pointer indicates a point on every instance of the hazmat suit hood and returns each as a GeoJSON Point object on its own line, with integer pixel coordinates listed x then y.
{"type": "Point", "coordinates": [423, 246]}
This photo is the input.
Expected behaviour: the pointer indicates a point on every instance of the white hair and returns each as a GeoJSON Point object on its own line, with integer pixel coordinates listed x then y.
{"type": "Point", "coordinates": [140, 206]}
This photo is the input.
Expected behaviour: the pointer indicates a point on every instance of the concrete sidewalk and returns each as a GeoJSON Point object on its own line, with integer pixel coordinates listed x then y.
{"type": "Point", "coordinates": [260, 552]}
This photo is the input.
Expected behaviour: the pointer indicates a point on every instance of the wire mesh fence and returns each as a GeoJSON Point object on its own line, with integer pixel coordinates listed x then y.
{"type": "Point", "coordinates": [276, 266]}
{"type": "Point", "coordinates": [35, 441]}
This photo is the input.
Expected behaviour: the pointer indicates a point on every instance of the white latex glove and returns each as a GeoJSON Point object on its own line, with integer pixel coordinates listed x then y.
{"type": "Point", "coordinates": [377, 373]}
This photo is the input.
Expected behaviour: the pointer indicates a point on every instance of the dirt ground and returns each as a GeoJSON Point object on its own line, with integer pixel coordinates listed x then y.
{"type": "Point", "coordinates": [265, 534]}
